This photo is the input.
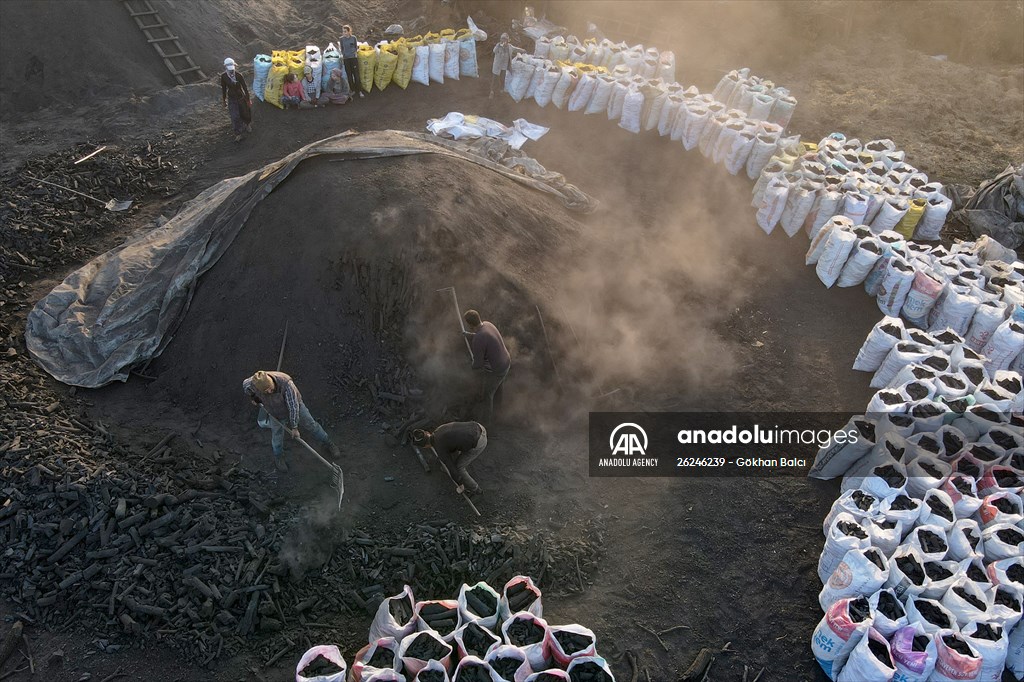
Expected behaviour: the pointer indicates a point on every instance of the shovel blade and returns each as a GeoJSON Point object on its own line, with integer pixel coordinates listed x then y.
{"type": "Point", "coordinates": [114, 205]}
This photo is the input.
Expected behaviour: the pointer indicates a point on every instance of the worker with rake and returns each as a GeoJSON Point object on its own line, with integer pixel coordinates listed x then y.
{"type": "Point", "coordinates": [456, 445]}
{"type": "Point", "coordinates": [277, 394]}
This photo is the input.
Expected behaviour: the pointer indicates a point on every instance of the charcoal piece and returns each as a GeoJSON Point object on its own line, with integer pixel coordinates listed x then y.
{"type": "Point", "coordinates": [886, 525]}
{"type": "Point", "coordinates": [1005, 505]}
{"type": "Point", "coordinates": [1007, 599]}
{"type": "Point", "coordinates": [443, 626]}
{"type": "Point", "coordinates": [987, 414]}
{"type": "Point", "coordinates": [506, 667]}
{"type": "Point", "coordinates": [975, 375]}
{"type": "Point", "coordinates": [891, 329]}
{"type": "Point", "coordinates": [947, 336]}
{"type": "Point", "coordinates": [930, 444]}
{"type": "Point", "coordinates": [890, 397]}
{"type": "Point", "coordinates": [976, 573]}
{"type": "Point", "coordinates": [983, 454]}
{"type": "Point", "coordinates": [515, 589]}
{"type": "Point", "coordinates": [969, 354]}
{"type": "Point", "coordinates": [1010, 536]}
{"type": "Point", "coordinates": [892, 477]}
{"type": "Point", "coordinates": [589, 672]}
{"type": "Point", "coordinates": [952, 442]}
{"type": "Point", "coordinates": [434, 608]}
{"type": "Point", "coordinates": [917, 391]}
{"type": "Point", "coordinates": [931, 542]}
{"type": "Point", "coordinates": [1011, 384]}
{"type": "Point", "coordinates": [959, 405]}
{"type": "Point", "coordinates": [972, 538]}
{"type": "Point", "coordinates": [866, 428]}
{"type": "Point", "coordinates": [521, 601]}
{"type": "Point", "coordinates": [902, 503]}
{"type": "Point", "coordinates": [970, 598]}
{"type": "Point", "coordinates": [954, 383]}
{"type": "Point", "coordinates": [400, 609]}
{"type": "Point", "coordinates": [968, 467]}
{"type": "Point", "coordinates": [851, 529]}
{"type": "Point", "coordinates": [954, 642]}
{"type": "Point", "coordinates": [931, 470]}
{"type": "Point", "coordinates": [481, 602]}
{"type": "Point", "coordinates": [859, 609]}
{"type": "Point", "coordinates": [889, 606]}
{"type": "Point", "coordinates": [922, 373]}
{"type": "Point", "coordinates": [320, 666]}
{"type": "Point", "coordinates": [925, 411]}
{"type": "Point", "coordinates": [382, 658]}
{"type": "Point", "coordinates": [572, 642]}
{"type": "Point", "coordinates": [473, 672]}
{"type": "Point", "coordinates": [911, 568]}
{"type": "Point", "coordinates": [936, 363]}
{"type": "Point", "coordinates": [430, 676]}
{"type": "Point", "coordinates": [425, 648]}
{"type": "Point", "coordinates": [988, 631]}
{"type": "Point", "coordinates": [862, 500]}
{"type": "Point", "coordinates": [524, 633]}
{"type": "Point", "coordinates": [1002, 439]}
{"type": "Point", "coordinates": [936, 571]}
{"type": "Point", "coordinates": [900, 420]}
{"type": "Point", "coordinates": [939, 508]}
{"type": "Point", "coordinates": [895, 451]}
{"type": "Point", "coordinates": [932, 613]}
{"type": "Point", "coordinates": [1016, 573]}
{"type": "Point", "coordinates": [1007, 479]}
{"type": "Point", "coordinates": [921, 643]}
{"type": "Point", "coordinates": [962, 485]}
{"type": "Point", "coordinates": [875, 557]}
{"type": "Point", "coordinates": [880, 651]}
{"type": "Point", "coordinates": [477, 640]}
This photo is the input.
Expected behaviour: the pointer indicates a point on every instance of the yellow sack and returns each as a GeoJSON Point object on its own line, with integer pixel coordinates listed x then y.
{"type": "Point", "coordinates": [367, 57]}
{"type": "Point", "coordinates": [417, 39]}
{"type": "Point", "coordinates": [403, 67]}
{"type": "Point", "coordinates": [462, 33]}
{"type": "Point", "coordinates": [910, 219]}
{"type": "Point", "coordinates": [387, 62]}
{"type": "Point", "coordinates": [447, 34]}
{"type": "Point", "coordinates": [275, 82]}
{"type": "Point", "coordinates": [296, 63]}
{"type": "Point", "coordinates": [430, 38]}
{"type": "Point", "coordinates": [279, 54]}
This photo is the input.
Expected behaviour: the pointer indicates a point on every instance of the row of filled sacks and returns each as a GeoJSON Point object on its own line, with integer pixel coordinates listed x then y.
{"type": "Point", "coordinates": [808, 188]}
{"type": "Point", "coordinates": [639, 104]}
{"type": "Point", "coordinates": [877, 638]}
{"type": "Point", "coordinates": [650, 63]}
{"type": "Point", "coordinates": [953, 367]}
{"type": "Point", "coordinates": [925, 290]}
{"type": "Point", "coordinates": [757, 97]}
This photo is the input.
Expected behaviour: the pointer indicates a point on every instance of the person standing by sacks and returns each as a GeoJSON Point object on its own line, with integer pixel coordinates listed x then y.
{"type": "Point", "coordinates": [490, 358]}
{"type": "Point", "coordinates": [503, 53]}
{"type": "Point", "coordinates": [336, 91]}
{"type": "Point", "coordinates": [235, 95]}
{"type": "Point", "coordinates": [350, 55]}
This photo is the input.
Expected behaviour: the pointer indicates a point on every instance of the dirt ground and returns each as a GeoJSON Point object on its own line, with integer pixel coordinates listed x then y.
{"type": "Point", "coordinates": [721, 317]}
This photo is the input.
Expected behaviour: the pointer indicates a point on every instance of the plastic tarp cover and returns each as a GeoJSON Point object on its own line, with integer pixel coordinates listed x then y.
{"type": "Point", "coordinates": [997, 209]}
{"type": "Point", "coordinates": [123, 307]}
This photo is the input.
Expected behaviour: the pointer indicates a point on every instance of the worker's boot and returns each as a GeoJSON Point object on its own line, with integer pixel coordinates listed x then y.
{"type": "Point", "coordinates": [335, 452]}
{"type": "Point", "coordinates": [280, 464]}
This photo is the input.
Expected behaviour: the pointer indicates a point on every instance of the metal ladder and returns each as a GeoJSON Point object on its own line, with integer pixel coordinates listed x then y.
{"type": "Point", "coordinates": [159, 35]}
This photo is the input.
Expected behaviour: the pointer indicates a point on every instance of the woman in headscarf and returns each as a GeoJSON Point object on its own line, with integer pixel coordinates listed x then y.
{"type": "Point", "coordinates": [291, 92]}
{"type": "Point", "coordinates": [336, 91]}
{"type": "Point", "coordinates": [235, 95]}
{"type": "Point", "coordinates": [310, 89]}
{"type": "Point", "coordinates": [503, 53]}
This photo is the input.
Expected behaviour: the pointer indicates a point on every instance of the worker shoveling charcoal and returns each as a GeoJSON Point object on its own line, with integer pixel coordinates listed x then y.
{"type": "Point", "coordinates": [444, 640]}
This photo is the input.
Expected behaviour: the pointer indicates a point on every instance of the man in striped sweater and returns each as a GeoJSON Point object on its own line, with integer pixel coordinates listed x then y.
{"type": "Point", "coordinates": [277, 394]}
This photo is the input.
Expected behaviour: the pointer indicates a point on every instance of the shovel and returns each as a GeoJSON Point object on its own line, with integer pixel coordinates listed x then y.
{"type": "Point", "coordinates": [110, 205]}
{"type": "Point", "coordinates": [337, 475]}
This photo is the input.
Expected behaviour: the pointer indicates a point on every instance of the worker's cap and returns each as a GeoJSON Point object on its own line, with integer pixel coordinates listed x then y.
{"type": "Point", "coordinates": [262, 381]}
{"type": "Point", "coordinates": [229, 64]}
{"type": "Point", "coordinates": [420, 437]}
{"type": "Point", "coordinates": [308, 70]}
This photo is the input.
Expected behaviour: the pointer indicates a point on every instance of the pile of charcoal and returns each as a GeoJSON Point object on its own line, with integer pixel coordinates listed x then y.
{"type": "Point", "coordinates": [137, 544]}
{"type": "Point", "coordinates": [46, 226]}
{"type": "Point", "coordinates": [483, 635]}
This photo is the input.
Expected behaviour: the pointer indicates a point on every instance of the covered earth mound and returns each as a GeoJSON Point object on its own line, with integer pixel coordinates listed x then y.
{"type": "Point", "coordinates": [349, 254]}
